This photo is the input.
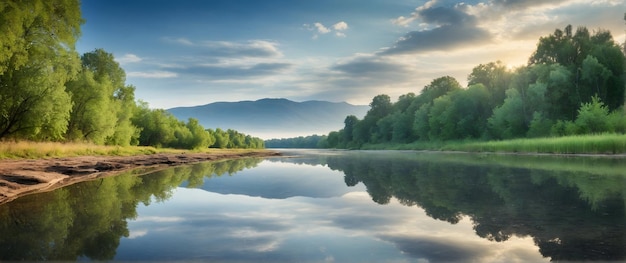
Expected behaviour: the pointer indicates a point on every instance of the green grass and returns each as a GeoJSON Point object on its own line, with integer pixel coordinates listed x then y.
{"type": "Point", "coordinates": [580, 144]}
{"type": "Point", "coordinates": [37, 150]}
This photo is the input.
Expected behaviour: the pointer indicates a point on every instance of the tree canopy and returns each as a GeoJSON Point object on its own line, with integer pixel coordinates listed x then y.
{"type": "Point", "coordinates": [49, 92]}
{"type": "Point", "coordinates": [573, 83]}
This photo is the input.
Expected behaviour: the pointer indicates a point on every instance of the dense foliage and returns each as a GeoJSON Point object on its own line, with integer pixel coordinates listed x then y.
{"type": "Point", "coordinates": [50, 93]}
{"type": "Point", "coordinates": [305, 142]}
{"type": "Point", "coordinates": [573, 84]}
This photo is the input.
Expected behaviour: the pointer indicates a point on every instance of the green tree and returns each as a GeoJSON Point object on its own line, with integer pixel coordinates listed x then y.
{"type": "Point", "coordinates": [473, 108]}
{"type": "Point", "coordinates": [539, 126]}
{"type": "Point", "coordinates": [592, 117]}
{"type": "Point", "coordinates": [441, 119]}
{"type": "Point", "coordinates": [595, 76]}
{"type": "Point", "coordinates": [125, 132]}
{"type": "Point", "coordinates": [200, 137]}
{"type": "Point", "coordinates": [439, 87]}
{"type": "Point", "coordinates": [350, 123]}
{"type": "Point", "coordinates": [103, 104]}
{"type": "Point", "coordinates": [92, 118]}
{"type": "Point", "coordinates": [157, 126]}
{"type": "Point", "coordinates": [421, 125]}
{"type": "Point", "coordinates": [221, 139]}
{"type": "Point", "coordinates": [37, 57]}
{"type": "Point", "coordinates": [588, 76]}
{"type": "Point", "coordinates": [367, 130]}
{"type": "Point", "coordinates": [495, 77]}
{"type": "Point", "coordinates": [508, 121]}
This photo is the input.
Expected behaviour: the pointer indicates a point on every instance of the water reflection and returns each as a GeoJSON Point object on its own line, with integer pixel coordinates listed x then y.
{"type": "Point", "coordinates": [318, 207]}
{"type": "Point", "coordinates": [573, 208]}
{"type": "Point", "coordinates": [88, 219]}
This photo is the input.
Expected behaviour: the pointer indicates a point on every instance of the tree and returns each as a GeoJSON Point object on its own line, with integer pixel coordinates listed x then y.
{"type": "Point", "coordinates": [380, 107]}
{"type": "Point", "coordinates": [473, 108]}
{"type": "Point", "coordinates": [604, 75]}
{"type": "Point", "coordinates": [125, 132]}
{"type": "Point", "coordinates": [92, 118]}
{"type": "Point", "coordinates": [348, 128]}
{"type": "Point", "coordinates": [421, 125]}
{"type": "Point", "coordinates": [442, 120]}
{"type": "Point", "coordinates": [103, 104]}
{"type": "Point", "coordinates": [37, 58]}
{"type": "Point", "coordinates": [221, 139]}
{"type": "Point", "coordinates": [592, 117]}
{"type": "Point", "coordinates": [439, 87]}
{"type": "Point", "coordinates": [367, 130]}
{"type": "Point", "coordinates": [508, 121]}
{"type": "Point", "coordinates": [495, 77]}
{"type": "Point", "coordinates": [200, 137]}
{"type": "Point", "coordinates": [157, 126]}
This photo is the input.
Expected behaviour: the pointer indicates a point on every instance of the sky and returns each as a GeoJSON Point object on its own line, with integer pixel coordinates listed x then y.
{"type": "Point", "coordinates": [195, 52]}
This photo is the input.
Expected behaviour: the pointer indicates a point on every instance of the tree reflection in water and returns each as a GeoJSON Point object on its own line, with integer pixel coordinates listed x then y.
{"type": "Point", "coordinates": [88, 219]}
{"type": "Point", "coordinates": [572, 207]}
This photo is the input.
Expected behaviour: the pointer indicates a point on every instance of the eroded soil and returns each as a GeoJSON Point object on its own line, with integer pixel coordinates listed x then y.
{"type": "Point", "coordinates": [22, 177]}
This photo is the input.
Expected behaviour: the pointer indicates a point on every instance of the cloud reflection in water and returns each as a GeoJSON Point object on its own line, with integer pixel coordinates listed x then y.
{"type": "Point", "coordinates": [341, 224]}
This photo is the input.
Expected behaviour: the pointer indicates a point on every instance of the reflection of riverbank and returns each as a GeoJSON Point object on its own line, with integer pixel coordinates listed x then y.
{"type": "Point", "coordinates": [22, 177]}
{"type": "Point", "coordinates": [88, 219]}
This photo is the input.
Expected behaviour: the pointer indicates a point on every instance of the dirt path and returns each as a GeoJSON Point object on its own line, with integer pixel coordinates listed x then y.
{"type": "Point", "coordinates": [22, 177]}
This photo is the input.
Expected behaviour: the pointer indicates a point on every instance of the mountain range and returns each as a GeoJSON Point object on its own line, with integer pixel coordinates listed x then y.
{"type": "Point", "coordinates": [273, 118]}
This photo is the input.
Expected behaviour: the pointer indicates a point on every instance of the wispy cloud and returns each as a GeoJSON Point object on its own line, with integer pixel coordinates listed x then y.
{"type": "Point", "coordinates": [152, 74]}
{"type": "Point", "coordinates": [320, 29]}
{"type": "Point", "coordinates": [220, 71]}
{"type": "Point", "coordinates": [128, 58]}
{"type": "Point", "coordinates": [250, 48]}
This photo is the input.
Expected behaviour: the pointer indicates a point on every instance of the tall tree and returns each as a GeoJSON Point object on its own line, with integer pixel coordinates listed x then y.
{"type": "Point", "coordinates": [573, 51]}
{"type": "Point", "coordinates": [37, 58]}
{"type": "Point", "coordinates": [102, 107]}
{"type": "Point", "coordinates": [495, 77]}
{"type": "Point", "coordinates": [93, 117]}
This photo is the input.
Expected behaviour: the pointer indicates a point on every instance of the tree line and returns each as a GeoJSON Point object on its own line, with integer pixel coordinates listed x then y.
{"type": "Point", "coordinates": [307, 142]}
{"type": "Point", "coordinates": [573, 83]}
{"type": "Point", "coordinates": [48, 92]}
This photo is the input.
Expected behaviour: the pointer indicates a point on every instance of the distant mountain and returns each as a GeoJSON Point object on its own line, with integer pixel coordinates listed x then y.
{"type": "Point", "coordinates": [273, 118]}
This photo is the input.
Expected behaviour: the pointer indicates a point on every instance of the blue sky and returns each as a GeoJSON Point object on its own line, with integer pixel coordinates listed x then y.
{"type": "Point", "coordinates": [193, 52]}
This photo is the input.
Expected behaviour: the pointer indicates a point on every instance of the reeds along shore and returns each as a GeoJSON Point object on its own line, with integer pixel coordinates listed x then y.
{"type": "Point", "coordinates": [578, 144]}
{"type": "Point", "coordinates": [36, 150]}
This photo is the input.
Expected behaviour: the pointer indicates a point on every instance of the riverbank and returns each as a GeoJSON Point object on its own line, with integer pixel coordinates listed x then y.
{"type": "Point", "coordinates": [598, 144]}
{"type": "Point", "coordinates": [19, 177]}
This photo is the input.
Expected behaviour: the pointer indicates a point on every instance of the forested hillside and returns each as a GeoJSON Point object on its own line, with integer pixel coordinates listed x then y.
{"type": "Point", "coordinates": [573, 84]}
{"type": "Point", "coordinates": [48, 92]}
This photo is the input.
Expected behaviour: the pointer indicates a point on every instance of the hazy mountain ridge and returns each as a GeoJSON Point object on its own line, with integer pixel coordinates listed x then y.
{"type": "Point", "coordinates": [273, 118]}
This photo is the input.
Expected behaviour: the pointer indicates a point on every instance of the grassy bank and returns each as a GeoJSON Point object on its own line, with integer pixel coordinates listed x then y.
{"type": "Point", "coordinates": [35, 150]}
{"type": "Point", "coordinates": [581, 144]}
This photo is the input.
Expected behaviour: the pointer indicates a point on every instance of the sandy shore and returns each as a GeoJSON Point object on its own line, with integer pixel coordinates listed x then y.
{"type": "Point", "coordinates": [22, 177]}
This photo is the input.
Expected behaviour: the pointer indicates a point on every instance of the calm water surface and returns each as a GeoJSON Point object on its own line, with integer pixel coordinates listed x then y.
{"type": "Point", "coordinates": [334, 206]}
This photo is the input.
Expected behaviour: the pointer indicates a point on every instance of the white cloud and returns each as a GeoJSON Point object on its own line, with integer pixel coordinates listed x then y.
{"type": "Point", "coordinates": [137, 233]}
{"type": "Point", "coordinates": [128, 58]}
{"type": "Point", "coordinates": [321, 28]}
{"type": "Point", "coordinates": [152, 74]}
{"type": "Point", "coordinates": [403, 21]}
{"type": "Point", "coordinates": [250, 48]}
{"type": "Point", "coordinates": [341, 26]}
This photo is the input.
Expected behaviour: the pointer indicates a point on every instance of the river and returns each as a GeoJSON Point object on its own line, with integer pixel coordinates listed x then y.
{"type": "Point", "coordinates": [334, 206]}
